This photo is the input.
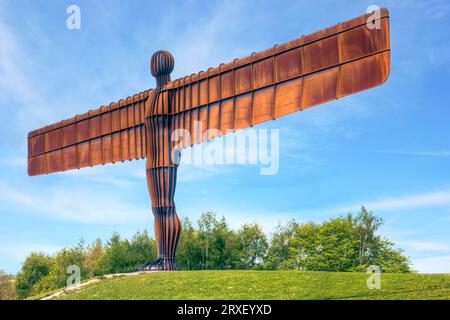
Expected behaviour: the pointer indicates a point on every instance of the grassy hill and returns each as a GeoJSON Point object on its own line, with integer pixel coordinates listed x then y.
{"type": "Point", "coordinates": [265, 285]}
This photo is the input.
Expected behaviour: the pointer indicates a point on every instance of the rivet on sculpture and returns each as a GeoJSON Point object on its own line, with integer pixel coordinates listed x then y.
{"type": "Point", "coordinates": [338, 61]}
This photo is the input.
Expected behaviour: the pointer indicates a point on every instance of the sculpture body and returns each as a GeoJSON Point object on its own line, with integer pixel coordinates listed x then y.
{"type": "Point", "coordinates": [313, 69]}
{"type": "Point", "coordinates": [161, 170]}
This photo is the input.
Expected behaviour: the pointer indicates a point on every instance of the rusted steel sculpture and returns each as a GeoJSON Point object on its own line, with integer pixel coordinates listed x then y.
{"type": "Point", "coordinates": [335, 62]}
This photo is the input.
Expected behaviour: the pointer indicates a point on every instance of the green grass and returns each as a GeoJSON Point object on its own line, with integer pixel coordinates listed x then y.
{"type": "Point", "coordinates": [266, 285]}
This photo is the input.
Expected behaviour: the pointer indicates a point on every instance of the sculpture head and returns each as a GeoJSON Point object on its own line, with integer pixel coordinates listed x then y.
{"type": "Point", "coordinates": [161, 65]}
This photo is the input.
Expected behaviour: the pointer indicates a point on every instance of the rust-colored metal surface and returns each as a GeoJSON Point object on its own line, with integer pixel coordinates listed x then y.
{"type": "Point", "coordinates": [108, 134]}
{"type": "Point", "coordinates": [335, 62]}
{"type": "Point", "coordinates": [161, 170]}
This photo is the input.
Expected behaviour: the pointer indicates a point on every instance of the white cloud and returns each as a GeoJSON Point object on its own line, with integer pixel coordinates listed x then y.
{"type": "Point", "coordinates": [84, 206]}
{"type": "Point", "coordinates": [16, 86]}
{"type": "Point", "coordinates": [440, 264]}
{"type": "Point", "coordinates": [19, 251]}
{"type": "Point", "coordinates": [113, 176]}
{"type": "Point", "coordinates": [193, 45]}
{"type": "Point", "coordinates": [76, 204]}
{"type": "Point", "coordinates": [440, 153]}
{"type": "Point", "coordinates": [437, 10]}
{"type": "Point", "coordinates": [8, 194]}
{"type": "Point", "coordinates": [191, 172]}
{"type": "Point", "coordinates": [426, 246]}
{"type": "Point", "coordinates": [16, 162]}
{"type": "Point", "coordinates": [410, 201]}
{"type": "Point", "coordinates": [267, 220]}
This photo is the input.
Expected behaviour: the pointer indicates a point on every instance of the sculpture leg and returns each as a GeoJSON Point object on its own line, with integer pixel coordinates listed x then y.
{"type": "Point", "coordinates": [161, 173]}
{"type": "Point", "coordinates": [161, 183]}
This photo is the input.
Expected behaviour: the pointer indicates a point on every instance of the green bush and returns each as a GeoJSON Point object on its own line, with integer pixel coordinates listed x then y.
{"type": "Point", "coordinates": [347, 243]}
{"type": "Point", "coordinates": [36, 267]}
{"type": "Point", "coordinates": [63, 259]}
{"type": "Point", "coordinates": [125, 256]}
{"type": "Point", "coordinates": [142, 249]}
{"type": "Point", "coordinates": [93, 254]}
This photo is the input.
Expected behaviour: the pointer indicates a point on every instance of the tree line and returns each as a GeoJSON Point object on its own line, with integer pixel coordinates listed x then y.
{"type": "Point", "coordinates": [7, 291]}
{"type": "Point", "coordinates": [347, 243]}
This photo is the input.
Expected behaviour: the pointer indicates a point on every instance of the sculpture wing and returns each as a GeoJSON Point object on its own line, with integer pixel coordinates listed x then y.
{"type": "Point", "coordinates": [108, 134]}
{"type": "Point", "coordinates": [329, 64]}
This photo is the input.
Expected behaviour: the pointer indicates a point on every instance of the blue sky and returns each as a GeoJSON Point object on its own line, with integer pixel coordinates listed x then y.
{"type": "Point", "coordinates": [387, 148]}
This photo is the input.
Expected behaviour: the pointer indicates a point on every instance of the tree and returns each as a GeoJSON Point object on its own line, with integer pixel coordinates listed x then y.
{"type": "Point", "coordinates": [279, 245]}
{"type": "Point", "coordinates": [389, 259]}
{"type": "Point", "coordinates": [252, 246]}
{"type": "Point", "coordinates": [7, 291]}
{"type": "Point", "coordinates": [5, 276]}
{"type": "Point", "coordinates": [142, 249]}
{"type": "Point", "coordinates": [58, 275]}
{"type": "Point", "coordinates": [189, 253]}
{"type": "Point", "coordinates": [322, 247]}
{"type": "Point", "coordinates": [116, 256]}
{"type": "Point", "coordinates": [222, 255]}
{"type": "Point", "coordinates": [365, 226]}
{"type": "Point", "coordinates": [93, 255]}
{"type": "Point", "coordinates": [35, 267]}
{"type": "Point", "coordinates": [206, 225]}
{"type": "Point", "coordinates": [215, 241]}
{"type": "Point", "coordinates": [374, 249]}
{"type": "Point", "coordinates": [342, 244]}
{"type": "Point", "coordinates": [209, 246]}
